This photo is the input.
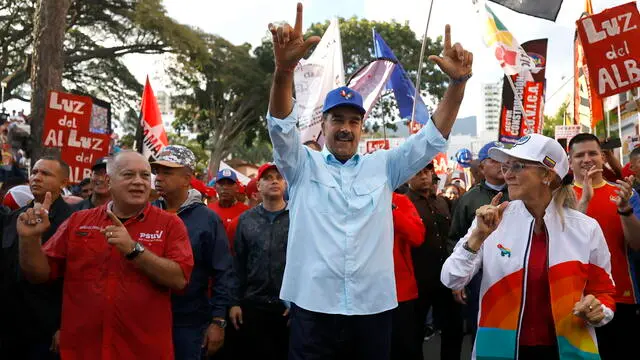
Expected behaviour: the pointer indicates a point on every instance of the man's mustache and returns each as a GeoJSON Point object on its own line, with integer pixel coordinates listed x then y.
{"type": "Point", "coordinates": [344, 136]}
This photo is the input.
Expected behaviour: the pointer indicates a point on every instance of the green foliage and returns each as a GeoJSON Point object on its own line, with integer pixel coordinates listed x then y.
{"type": "Point", "coordinates": [224, 96]}
{"type": "Point", "coordinates": [202, 157]}
{"type": "Point", "coordinates": [98, 34]}
{"type": "Point", "coordinates": [560, 118]}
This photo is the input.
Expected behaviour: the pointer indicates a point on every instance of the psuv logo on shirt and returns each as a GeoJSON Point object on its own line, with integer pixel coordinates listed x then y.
{"type": "Point", "coordinates": [151, 237]}
{"type": "Point", "coordinates": [504, 251]}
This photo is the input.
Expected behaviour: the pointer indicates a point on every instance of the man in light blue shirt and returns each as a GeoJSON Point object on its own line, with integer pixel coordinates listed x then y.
{"type": "Point", "coordinates": [339, 275]}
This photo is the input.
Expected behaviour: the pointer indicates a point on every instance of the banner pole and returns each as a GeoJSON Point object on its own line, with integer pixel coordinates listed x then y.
{"type": "Point", "coordinates": [620, 129]}
{"type": "Point", "coordinates": [608, 124]}
{"type": "Point", "coordinates": [420, 61]}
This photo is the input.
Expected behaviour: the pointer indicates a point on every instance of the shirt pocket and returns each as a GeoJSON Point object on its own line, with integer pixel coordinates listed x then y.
{"type": "Point", "coordinates": [319, 193]}
{"type": "Point", "coordinates": [368, 193]}
{"type": "Point", "coordinates": [87, 256]}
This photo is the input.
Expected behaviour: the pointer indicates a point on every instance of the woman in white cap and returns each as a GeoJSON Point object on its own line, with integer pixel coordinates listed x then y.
{"type": "Point", "coordinates": [546, 267]}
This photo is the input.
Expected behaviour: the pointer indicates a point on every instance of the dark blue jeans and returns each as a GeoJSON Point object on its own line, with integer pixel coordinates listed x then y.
{"type": "Point", "coordinates": [318, 336]}
{"type": "Point", "coordinates": [187, 342]}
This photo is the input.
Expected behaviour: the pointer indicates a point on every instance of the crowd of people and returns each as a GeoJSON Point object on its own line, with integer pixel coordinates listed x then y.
{"type": "Point", "coordinates": [326, 253]}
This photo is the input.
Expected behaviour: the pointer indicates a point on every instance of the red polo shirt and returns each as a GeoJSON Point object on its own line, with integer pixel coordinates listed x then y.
{"type": "Point", "coordinates": [227, 214]}
{"type": "Point", "coordinates": [110, 309]}
{"type": "Point", "coordinates": [604, 210]}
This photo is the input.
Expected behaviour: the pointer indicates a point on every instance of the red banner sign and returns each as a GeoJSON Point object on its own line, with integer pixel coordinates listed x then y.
{"type": "Point", "coordinates": [80, 128]}
{"type": "Point", "coordinates": [532, 103]}
{"type": "Point", "coordinates": [378, 144]}
{"type": "Point", "coordinates": [441, 164]}
{"type": "Point", "coordinates": [611, 43]}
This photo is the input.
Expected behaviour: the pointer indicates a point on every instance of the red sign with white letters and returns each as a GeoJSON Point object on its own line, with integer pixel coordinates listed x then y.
{"type": "Point", "coordinates": [79, 128]}
{"type": "Point", "coordinates": [378, 144]}
{"type": "Point", "coordinates": [611, 43]}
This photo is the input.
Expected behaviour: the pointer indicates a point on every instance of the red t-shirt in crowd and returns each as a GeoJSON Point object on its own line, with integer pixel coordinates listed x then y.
{"type": "Point", "coordinates": [537, 322]}
{"type": "Point", "coordinates": [229, 213]}
{"type": "Point", "coordinates": [110, 309]}
{"type": "Point", "coordinates": [604, 211]}
{"type": "Point", "coordinates": [408, 232]}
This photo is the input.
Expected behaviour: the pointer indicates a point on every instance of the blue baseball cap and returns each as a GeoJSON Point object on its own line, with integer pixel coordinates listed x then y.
{"type": "Point", "coordinates": [227, 174]}
{"type": "Point", "coordinates": [483, 154]}
{"type": "Point", "coordinates": [343, 96]}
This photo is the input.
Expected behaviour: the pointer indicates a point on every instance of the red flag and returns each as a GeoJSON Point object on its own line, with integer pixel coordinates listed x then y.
{"type": "Point", "coordinates": [154, 138]}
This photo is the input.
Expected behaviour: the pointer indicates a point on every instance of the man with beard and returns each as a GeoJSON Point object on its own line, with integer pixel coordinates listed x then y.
{"type": "Point", "coordinates": [428, 259]}
{"type": "Point", "coordinates": [100, 194]}
{"type": "Point", "coordinates": [227, 206]}
{"type": "Point", "coordinates": [120, 262]}
{"type": "Point", "coordinates": [339, 271]}
{"type": "Point", "coordinates": [198, 322]}
{"type": "Point", "coordinates": [31, 313]}
{"type": "Point", "coordinates": [609, 205]}
{"type": "Point", "coordinates": [260, 245]}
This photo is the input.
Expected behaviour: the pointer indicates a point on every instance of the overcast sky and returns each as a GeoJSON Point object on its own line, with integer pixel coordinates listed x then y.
{"type": "Point", "coordinates": [246, 21]}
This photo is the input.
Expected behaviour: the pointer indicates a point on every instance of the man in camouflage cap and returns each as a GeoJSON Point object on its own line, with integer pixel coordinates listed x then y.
{"type": "Point", "coordinates": [198, 324]}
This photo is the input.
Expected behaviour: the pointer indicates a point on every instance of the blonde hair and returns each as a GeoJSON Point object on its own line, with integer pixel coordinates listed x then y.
{"type": "Point", "coordinates": [564, 196]}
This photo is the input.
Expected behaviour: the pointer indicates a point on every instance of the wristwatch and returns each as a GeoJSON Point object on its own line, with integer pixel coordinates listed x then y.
{"type": "Point", "coordinates": [626, 212]}
{"type": "Point", "coordinates": [137, 250]}
{"type": "Point", "coordinates": [220, 322]}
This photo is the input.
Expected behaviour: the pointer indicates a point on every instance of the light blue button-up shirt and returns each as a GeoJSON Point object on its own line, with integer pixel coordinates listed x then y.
{"type": "Point", "coordinates": [340, 246]}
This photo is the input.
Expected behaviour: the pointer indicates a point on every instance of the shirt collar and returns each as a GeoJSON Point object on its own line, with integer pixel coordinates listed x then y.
{"type": "Point", "coordinates": [495, 187]}
{"type": "Point", "coordinates": [596, 186]}
{"type": "Point", "coordinates": [329, 157]}
{"type": "Point", "coordinates": [141, 216]}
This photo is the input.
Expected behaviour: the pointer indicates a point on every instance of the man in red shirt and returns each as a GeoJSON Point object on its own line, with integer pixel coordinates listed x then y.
{"type": "Point", "coordinates": [408, 232]}
{"type": "Point", "coordinates": [227, 206]}
{"type": "Point", "coordinates": [119, 261]}
{"type": "Point", "coordinates": [609, 205]}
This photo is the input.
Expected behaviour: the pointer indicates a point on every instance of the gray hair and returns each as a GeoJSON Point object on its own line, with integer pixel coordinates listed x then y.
{"type": "Point", "coordinates": [112, 162]}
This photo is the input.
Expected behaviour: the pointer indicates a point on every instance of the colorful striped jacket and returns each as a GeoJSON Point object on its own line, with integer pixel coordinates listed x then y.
{"type": "Point", "coordinates": [579, 264]}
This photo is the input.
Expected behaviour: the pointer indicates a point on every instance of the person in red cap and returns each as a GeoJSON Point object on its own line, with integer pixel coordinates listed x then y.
{"type": "Point", "coordinates": [253, 195]}
{"type": "Point", "coordinates": [259, 260]}
{"type": "Point", "coordinates": [241, 195]}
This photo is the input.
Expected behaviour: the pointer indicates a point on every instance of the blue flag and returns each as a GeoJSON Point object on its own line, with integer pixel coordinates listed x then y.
{"type": "Point", "coordinates": [402, 86]}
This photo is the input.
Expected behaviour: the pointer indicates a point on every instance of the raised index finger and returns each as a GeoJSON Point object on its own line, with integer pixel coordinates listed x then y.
{"type": "Point", "coordinates": [447, 37]}
{"type": "Point", "coordinates": [46, 204]}
{"type": "Point", "coordinates": [496, 199]}
{"type": "Point", "coordinates": [114, 218]}
{"type": "Point", "coordinates": [298, 25]}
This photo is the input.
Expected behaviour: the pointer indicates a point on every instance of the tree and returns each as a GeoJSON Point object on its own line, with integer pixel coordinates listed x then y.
{"type": "Point", "coordinates": [560, 118]}
{"type": "Point", "coordinates": [97, 34]}
{"type": "Point", "coordinates": [46, 71]}
{"type": "Point", "coordinates": [256, 151]}
{"type": "Point", "coordinates": [224, 96]}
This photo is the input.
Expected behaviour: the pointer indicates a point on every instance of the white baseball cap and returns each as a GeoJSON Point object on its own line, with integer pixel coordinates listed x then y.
{"type": "Point", "coordinates": [538, 148]}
